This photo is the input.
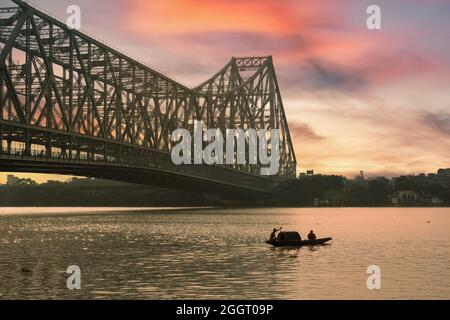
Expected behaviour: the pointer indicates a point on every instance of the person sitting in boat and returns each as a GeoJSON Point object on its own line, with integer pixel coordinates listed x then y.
{"type": "Point", "coordinates": [273, 236]}
{"type": "Point", "coordinates": [312, 235]}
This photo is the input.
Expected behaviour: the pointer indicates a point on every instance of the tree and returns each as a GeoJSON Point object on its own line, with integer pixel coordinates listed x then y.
{"type": "Point", "coordinates": [379, 190]}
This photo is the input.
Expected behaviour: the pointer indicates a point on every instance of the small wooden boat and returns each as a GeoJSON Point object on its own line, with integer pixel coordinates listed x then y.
{"type": "Point", "coordinates": [293, 239]}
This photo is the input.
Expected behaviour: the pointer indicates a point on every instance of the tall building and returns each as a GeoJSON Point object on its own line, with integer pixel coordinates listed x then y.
{"type": "Point", "coordinates": [360, 177]}
{"type": "Point", "coordinates": [12, 180]}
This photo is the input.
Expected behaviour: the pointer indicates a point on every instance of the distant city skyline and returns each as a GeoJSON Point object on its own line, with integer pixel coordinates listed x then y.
{"type": "Point", "coordinates": [42, 178]}
{"type": "Point", "coordinates": [355, 99]}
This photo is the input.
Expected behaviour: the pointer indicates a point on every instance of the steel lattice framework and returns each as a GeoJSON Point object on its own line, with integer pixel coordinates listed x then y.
{"type": "Point", "coordinates": [72, 105]}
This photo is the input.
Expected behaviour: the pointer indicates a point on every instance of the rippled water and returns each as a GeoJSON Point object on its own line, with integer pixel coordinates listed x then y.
{"type": "Point", "coordinates": [221, 254]}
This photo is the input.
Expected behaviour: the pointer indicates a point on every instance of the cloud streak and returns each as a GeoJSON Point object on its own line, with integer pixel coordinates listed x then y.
{"type": "Point", "coordinates": [440, 122]}
{"type": "Point", "coordinates": [303, 131]}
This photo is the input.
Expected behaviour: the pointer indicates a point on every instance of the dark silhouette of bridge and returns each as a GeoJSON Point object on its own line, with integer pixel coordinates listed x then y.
{"type": "Point", "coordinates": [70, 104]}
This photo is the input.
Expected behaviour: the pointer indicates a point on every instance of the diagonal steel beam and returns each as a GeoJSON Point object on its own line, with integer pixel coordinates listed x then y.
{"type": "Point", "coordinates": [88, 85]}
{"type": "Point", "coordinates": [13, 94]}
{"type": "Point", "coordinates": [12, 39]}
{"type": "Point", "coordinates": [49, 68]}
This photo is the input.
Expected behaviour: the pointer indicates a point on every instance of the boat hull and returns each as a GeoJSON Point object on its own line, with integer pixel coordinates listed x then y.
{"type": "Point", "coordinates": [299, 243]}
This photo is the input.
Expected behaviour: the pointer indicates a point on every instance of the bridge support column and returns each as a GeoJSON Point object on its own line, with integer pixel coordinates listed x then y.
{"type": "Point", "coordinates": [48, 146]}
{"type": "Point", "coordinates": [27, 142]}
{"type": "Point", "coordinates": [9, 142]}
{"type": "Point", "coordinates": [89, 152]}
{"type": "Point", "coordinates": [2, 105]}
{"type": "Point", "coordinates": [1, 138]}
{"type": "Point", "coordinates": [79, 148]}
{"type": "Point", "coordinates": [70, 148]}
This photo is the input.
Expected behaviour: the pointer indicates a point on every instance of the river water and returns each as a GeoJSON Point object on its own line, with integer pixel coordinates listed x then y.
{"type": "Point", "coordinates": [220, 253]}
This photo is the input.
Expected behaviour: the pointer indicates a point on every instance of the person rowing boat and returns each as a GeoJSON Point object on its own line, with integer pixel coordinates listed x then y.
{"type": "Point", "coordinates": [273, 236]}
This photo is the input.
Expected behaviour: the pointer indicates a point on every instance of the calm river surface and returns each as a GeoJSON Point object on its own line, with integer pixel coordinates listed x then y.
{"type": "Point", "coordinates": [221, 254]}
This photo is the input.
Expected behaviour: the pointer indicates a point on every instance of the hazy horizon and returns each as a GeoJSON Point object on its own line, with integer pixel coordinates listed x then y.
{"type": "Point", "coordinates": [42, 178]}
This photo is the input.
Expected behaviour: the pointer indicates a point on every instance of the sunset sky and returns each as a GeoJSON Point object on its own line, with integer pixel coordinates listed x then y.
{"type": "Point", "coordinates": [355, 99]}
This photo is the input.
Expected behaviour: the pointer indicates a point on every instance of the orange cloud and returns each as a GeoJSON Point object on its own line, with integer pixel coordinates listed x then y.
{"type": "Point", "coordinates": [304, 28]}
{"type": "Point", "coordinates": [184, 16]}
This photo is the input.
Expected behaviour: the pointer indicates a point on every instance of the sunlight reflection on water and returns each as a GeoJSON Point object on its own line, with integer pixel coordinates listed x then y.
{"type": "Point", "coordinates": [221, 254]}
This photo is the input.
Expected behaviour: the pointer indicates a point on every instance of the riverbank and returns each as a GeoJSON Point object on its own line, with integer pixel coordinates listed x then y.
{"type": "Point", "coordinates": [432, 190]}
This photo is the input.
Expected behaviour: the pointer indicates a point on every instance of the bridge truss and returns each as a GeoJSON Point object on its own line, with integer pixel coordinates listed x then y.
{"type": "Point", "coordinates": [72, 105]}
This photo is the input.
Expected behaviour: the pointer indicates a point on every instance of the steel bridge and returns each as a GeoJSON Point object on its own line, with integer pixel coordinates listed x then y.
{"type": "Point", "coordinates": [71, 105]}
